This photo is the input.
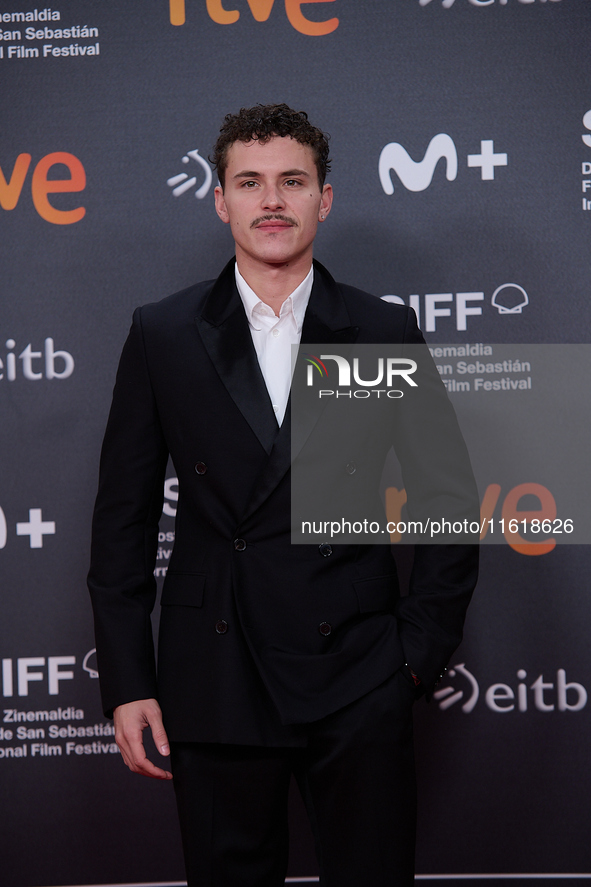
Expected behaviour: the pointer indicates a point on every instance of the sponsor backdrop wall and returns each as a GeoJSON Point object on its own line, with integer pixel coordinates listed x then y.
{"type": "Point", "coordinates": [461, 140]}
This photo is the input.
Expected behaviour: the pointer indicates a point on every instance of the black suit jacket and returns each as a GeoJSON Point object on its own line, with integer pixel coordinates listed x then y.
{"type": "Point", "coordinates": [240, 654]}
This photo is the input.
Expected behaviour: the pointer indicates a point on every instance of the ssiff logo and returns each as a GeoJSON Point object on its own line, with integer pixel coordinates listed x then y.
{"type": "Point", "coordinates": [509, 298]}
{"type": "Point", "coordinates": [261, 10]}
{"type": "Point", "coordinates": [19, 673]}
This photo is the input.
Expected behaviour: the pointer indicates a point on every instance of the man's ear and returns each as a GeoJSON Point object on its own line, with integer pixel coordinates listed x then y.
{"type": "Point", "coordinates": [220, 204]}
{"type": "Point", "coordinates": [325, 202]}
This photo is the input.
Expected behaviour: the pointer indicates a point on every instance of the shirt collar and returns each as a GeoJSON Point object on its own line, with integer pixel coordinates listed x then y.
{"type": "Point", "coordinates": [295, 304]}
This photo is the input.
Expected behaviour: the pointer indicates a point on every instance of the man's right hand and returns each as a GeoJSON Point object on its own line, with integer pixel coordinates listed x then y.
{"type": "Point", "coordinates": [131, 719]}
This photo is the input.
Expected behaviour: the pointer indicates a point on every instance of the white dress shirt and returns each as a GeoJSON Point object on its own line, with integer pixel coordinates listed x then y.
{"type": "Point", "coordinates": [273, 336]}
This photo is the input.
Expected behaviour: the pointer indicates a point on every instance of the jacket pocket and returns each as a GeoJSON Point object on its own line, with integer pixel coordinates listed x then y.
{"type": "Point", "coordinates": [183, 590]}
{"type": "Point", "coordinates": [377, 593]}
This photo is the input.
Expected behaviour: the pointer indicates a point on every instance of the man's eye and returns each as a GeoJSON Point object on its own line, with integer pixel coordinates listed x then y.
{"type": "Point", "coordinates": [248, 184]}
{"type": "Point", "coordinates": [292, 182]}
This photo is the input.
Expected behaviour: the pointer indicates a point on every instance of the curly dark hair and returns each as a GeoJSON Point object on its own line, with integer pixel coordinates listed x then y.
{"type": "Point", "coordinates": [263, 122]}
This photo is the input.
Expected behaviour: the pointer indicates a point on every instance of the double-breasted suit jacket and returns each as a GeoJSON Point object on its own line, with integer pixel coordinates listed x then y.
{"type": "Point", "coordinates": [257, 636]}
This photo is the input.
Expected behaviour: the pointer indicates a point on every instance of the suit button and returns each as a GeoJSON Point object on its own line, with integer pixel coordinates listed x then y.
{"type": "Point", "coordinates": [325, 629]}
{"type": "Point", "coordinates": [239, 544]}
{"type": "Point", "coordinates": [201, 468]}
{"type": "Point", "coordinates": [350, 468]}
{"type": "Point", "coordinates": [221, 627]}
{"type": "Point", "coordinates": [325, 549]}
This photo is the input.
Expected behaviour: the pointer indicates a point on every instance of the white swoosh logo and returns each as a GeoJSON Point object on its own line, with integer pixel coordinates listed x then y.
{"type": "Point", "coordinates": [417, 176]}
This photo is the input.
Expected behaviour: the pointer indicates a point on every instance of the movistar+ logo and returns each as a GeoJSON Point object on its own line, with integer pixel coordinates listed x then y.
{"type": "Point", "coordinates": [418, 175]}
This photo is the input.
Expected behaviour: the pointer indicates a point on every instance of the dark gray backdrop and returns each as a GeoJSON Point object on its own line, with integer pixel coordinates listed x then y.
{"type": "Point", "coordinates": [504, 776]}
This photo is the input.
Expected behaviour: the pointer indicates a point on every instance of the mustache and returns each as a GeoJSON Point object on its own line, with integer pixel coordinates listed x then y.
{"type": "Point", "coordinates": [273, 217]}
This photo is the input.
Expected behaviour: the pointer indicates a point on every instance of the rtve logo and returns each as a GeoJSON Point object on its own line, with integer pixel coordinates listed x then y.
{"type": "Point", "coordinates": [511, 511]}
{"type": "Point", "coordinates": [261, 10]}
{"type": "Point", "coordinates": [418, 175]}
{"type": "Point", "coordinates": [42, 185]}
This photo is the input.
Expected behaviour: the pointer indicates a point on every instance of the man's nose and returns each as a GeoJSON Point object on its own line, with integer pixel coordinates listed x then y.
{"type": "Point", "coordinates": [272, 198]}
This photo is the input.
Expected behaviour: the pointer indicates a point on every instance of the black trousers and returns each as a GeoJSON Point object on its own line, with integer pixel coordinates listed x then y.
{"type": "Point", "coordinates": [356, 776]}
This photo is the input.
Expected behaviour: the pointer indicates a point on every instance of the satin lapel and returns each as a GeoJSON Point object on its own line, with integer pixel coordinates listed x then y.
{"type": "Point", "coordinates": [225, 333]}
{"type": "Point", "coordinates": [326, 322]}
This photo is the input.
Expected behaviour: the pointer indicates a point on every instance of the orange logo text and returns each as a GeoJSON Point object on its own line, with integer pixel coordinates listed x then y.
{"type": "Point", "coordinates": [41, 186]}
{"type": "Point", "coordinates": [261, 10]}
{"type": "Point", "coordinates": [511, 516]}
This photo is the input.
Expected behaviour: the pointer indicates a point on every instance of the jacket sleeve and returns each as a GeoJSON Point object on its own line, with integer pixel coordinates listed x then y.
{"type": "Point", "coordinates": [125, 531]}
{"type": "Point", "coordinates": [439, 483]}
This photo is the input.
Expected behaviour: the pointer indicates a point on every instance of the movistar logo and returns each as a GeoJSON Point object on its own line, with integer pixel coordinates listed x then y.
{"type": "Point", "coordinates": [417, 175]}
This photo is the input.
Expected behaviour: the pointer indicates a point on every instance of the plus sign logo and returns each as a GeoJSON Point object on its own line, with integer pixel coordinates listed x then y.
{"type": "Point", "coordinates": [35, 528]}
{"type": "Point", "coordinates": [487, 160]}
{"type": "Point", "coordinates": [417, 175]}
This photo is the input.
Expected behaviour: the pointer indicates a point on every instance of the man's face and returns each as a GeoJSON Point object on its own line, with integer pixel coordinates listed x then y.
{"type": "Point", "coordinates": [272, 201]}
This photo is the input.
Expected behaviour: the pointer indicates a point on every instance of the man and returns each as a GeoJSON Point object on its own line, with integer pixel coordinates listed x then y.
{"type": "Point", "coordinates": [273, 658]}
